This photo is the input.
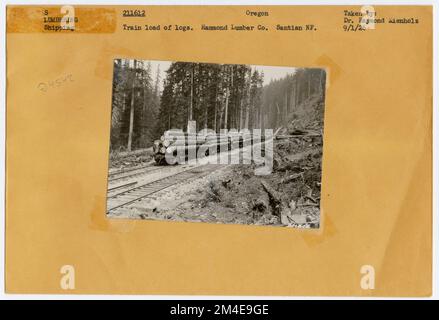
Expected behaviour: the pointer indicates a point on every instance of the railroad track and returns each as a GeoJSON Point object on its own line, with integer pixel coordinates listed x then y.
{"type": "Point", "coordinates": [131, 173]}
{"type": "Point", "coordinates": [122, 170]}
{"type": "Point", "coordinates": [137, 193]}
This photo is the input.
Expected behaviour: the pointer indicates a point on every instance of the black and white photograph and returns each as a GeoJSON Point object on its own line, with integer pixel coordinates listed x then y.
{"type": "Point", "coordinates": [223, 160]}
{"type": "Point", "coordinates": [216, 143]}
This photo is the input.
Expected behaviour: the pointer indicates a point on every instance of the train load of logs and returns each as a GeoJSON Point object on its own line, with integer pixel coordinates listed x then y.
{"type": "Point", "coordinates": [180, 145]}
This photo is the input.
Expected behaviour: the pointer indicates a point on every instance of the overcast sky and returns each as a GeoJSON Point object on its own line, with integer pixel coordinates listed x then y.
{"type": "Point", "coordinates": [270, 73]}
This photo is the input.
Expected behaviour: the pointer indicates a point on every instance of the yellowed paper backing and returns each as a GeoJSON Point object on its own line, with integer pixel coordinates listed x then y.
{"type": "Point", "coordinates": [377, 158]}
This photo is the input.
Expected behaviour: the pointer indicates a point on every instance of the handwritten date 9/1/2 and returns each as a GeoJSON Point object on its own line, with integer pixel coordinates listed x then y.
{"type": "Point", "coordinates": [353, 27]}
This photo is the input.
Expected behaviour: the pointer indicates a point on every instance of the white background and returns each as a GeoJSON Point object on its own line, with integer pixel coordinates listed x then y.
{"type": "Point", "coordinates": [207, 2]}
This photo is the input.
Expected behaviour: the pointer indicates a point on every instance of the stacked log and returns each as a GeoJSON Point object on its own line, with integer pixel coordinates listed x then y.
{"type": "Point", "coordinates": [177, 142]}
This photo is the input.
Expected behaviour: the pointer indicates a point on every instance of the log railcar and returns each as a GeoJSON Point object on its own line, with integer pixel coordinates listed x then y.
{"type": "Point", "coordinates": [183, 146]}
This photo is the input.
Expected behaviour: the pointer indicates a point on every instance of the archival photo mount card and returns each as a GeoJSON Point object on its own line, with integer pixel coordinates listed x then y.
{"type": "Point", "coordinates": [219, 150]}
